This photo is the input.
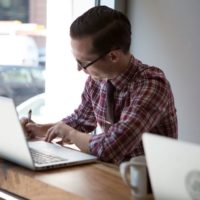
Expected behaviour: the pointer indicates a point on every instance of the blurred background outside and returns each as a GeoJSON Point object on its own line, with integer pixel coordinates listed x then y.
{"type": "Point", "coordinates": [37, 69]}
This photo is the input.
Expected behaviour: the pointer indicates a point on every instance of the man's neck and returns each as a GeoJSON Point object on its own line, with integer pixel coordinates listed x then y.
{"type": "Point", "coordinates": [122, 65]}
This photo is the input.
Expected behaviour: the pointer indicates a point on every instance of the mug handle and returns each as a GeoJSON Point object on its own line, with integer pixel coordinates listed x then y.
{"type": "Point", "coordinates": [124, 167]}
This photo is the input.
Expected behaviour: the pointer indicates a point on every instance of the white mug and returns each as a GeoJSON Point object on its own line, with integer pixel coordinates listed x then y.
{"type": "Point", "coordinates": [135, 175]}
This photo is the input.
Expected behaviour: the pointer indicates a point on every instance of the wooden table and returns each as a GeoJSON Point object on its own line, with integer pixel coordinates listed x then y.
{"type": "Point", "coordinates": [97, 181]}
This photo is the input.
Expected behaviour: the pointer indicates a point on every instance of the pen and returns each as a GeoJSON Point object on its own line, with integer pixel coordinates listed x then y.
{"type": "Point", "coordinates": [107, 122]}
{"type": "Point", "coordinates": [29, 115]}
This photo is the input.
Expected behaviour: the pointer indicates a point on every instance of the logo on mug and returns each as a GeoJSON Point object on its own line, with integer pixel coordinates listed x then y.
{"type": "Point", "coordinates": [192, 182]}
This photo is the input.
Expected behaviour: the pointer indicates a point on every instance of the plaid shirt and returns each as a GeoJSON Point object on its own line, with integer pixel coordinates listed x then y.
{"type": "Point", "coordinates": [143, 103]}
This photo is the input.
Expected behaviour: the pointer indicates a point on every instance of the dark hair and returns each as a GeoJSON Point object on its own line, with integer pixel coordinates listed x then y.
{"type": "Point", "coordinates": [109, 29]}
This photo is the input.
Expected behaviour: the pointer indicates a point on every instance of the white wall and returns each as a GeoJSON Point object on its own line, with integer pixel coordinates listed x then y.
{"type": "Point", "coordinates": [64, 83]}
{"type": "Point", "coordinates": [167, 34]}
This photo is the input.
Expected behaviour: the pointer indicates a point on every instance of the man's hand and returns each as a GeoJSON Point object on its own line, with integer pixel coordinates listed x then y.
{"type": "Point", "coordinates": [33, 130]}
{"type": "Point", "coordinates": [60, 130]}
{"type": "Point", "coordinates": [24, 121]}
{"type": "Point", "coordinates": [68, 135]}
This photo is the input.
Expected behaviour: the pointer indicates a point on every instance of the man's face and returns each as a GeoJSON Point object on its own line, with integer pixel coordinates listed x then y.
{"type": "Point", "coordinates": [97, 66]}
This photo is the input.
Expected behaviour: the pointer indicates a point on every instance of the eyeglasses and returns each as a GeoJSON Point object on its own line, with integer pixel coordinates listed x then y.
{"type": "Point", "coordinates": [85, 66]}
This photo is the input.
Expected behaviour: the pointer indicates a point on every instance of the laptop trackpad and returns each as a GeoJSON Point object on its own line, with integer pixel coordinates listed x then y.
{"type": "Point", "coordinates": [57, 150]}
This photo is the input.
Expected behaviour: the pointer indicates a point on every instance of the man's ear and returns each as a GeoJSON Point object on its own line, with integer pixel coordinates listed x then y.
{"type": "Point", "coordinates": [114, 55]}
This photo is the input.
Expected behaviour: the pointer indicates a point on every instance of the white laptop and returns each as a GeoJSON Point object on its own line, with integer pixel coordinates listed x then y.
{"type": "Point", "coordinates": [15, 148]}
{"type": "Point", "coordinates": [174, 167]}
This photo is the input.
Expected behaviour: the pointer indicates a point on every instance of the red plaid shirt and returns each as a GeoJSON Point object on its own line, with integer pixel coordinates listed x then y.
{"type": "Point", "coordinates": [143, 103]}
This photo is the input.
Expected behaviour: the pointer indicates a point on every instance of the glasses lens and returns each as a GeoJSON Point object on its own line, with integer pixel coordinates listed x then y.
{"type": "Point", "coordinates": [81, 65]}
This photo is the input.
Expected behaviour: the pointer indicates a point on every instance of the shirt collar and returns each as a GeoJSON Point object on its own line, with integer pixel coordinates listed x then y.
{"type": "Point", "coordinates": [122, 80]}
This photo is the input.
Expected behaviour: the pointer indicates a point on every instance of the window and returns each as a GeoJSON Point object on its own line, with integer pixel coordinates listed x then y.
{"type": "Point", "coordinates": [47, 46]}
{"type": "Point", "coordinates": [21, 82]}
{"type": "Point", "coordinates": [17, 75]}
{"type": "Point", "coordinates": [14, 10]}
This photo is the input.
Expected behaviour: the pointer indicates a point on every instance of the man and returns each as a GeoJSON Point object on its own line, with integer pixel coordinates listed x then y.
{"type": "Point", "coordinates": [142, 100]}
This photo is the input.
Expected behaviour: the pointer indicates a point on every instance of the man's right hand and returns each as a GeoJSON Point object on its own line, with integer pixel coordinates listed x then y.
{"type": "Point", "coordinates": [33, 130]}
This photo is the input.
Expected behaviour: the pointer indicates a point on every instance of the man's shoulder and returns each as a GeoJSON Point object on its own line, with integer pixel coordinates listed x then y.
{"type": "Point", "coordinates": [145, 71]}
{"type": "Point", "coordinates": [142, 70]}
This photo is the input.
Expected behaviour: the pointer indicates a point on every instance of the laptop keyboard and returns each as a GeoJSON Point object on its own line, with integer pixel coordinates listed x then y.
{"type": "Point", "coordinates": [42, 158]}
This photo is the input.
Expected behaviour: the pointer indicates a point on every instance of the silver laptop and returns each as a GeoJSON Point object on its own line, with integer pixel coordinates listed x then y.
{"type": "Point", "coordinates": [35, 155]}
{"type": "Point", "coordinates": [174, 167]}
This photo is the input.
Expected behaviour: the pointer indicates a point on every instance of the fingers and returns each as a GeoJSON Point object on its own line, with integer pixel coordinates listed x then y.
{"type": "Point", "coordinates": [24, 121]}
{"type": "Point", "coordinates": [60, 142]}
{"type": "Point", "coordinates": [37, 131]}
{"type": "Point", "coordinates": [58, 130]}
{"type": "Point", "coordinates": [50, 135]}
{"type": "Point", "coordinates": [30, 135]}
{"type": "Point", "coordinates": [29, 131]}
{"type": "Point", "coordinates": [63, 141]}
